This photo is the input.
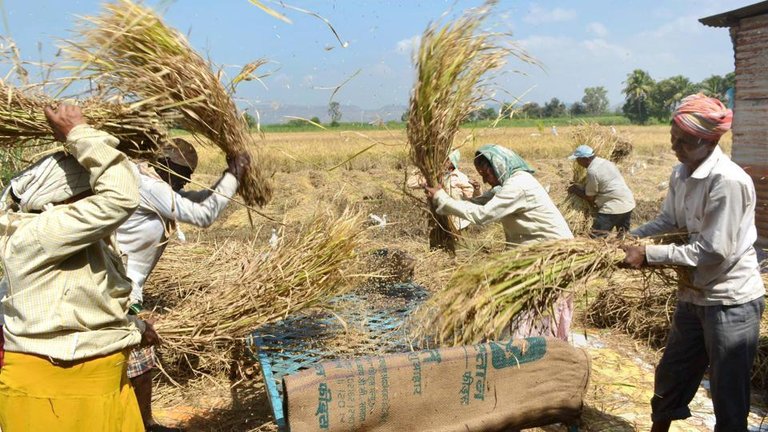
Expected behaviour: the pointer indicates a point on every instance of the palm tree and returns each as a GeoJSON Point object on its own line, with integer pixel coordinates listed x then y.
{"type": "Point", "coordinates": [637, 92]}
{"type": "Point", "coordinates": [668, 93]}
{"type": "Point", "coordinates": [715, 86]}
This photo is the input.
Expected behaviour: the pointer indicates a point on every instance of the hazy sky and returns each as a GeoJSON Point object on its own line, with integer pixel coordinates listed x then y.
{"type": "Point", "coordinates": [582, 43]}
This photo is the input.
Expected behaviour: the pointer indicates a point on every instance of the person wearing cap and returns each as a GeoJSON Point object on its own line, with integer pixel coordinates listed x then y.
{"type": "Point", "coordinates": [606, 189]}
{"type": "Point", "coordinates": [65, 292]}
{"type": "Point", "coordinates": [717, 318]}
{"type": "Point", "coordinates": [526, 213]}
{"type": "Point", "coordinates": [143, 237]}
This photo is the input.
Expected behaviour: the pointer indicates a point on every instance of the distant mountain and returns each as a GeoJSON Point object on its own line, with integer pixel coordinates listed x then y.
{"type": "Point", "coordinates": [276, 113]}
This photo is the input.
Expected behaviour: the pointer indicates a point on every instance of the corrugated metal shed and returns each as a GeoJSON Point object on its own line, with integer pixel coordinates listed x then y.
{"type": "Point", "coordinates": [749, 34]}
{"type": "Point", "coordinates": [729, 19]}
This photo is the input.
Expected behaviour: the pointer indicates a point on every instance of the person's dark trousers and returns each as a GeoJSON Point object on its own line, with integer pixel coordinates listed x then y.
{"type": "Point", "coordinates": [604, 223]}
{"type": "Point", "coordinates": [721, 337]}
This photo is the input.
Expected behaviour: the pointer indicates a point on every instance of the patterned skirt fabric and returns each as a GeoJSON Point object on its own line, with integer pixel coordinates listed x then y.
{"type": "Point", "coordinates": [140, 360]}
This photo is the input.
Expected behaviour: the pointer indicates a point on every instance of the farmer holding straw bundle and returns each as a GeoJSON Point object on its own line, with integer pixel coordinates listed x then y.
{"type": "Point", "coordinates": [717, 320]}
{"type": "Point", "coordinates": [527, 214]}
{"type": "Point", "coordinates": [606, 189]}
{"type": "Point", "coordinates": [65, 309]}
{"type": "Point", "coordinates": [145, 234]}
{"type": "Point", "coordinates": [456, 183]}
{"type": "Point", "coordinates": [517, 199]}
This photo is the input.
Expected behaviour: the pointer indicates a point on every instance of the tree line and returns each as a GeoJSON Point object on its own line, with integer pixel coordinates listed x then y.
{"type": "Point", "coordinates": [646, 99]}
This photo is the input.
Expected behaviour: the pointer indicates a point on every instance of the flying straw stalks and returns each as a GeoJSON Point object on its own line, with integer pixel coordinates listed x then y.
{"type": "Point", "coordinates": [452, 64]}
{"type": "Point", "coordinates": [23, 123]}
{"type": "Point", "coordinates": [250, 285]}
{"type": "Point", "coordinates": [129, 48]}
{"type": "Point", "coordinates": [607, 145]}
{"type": "Point", "coordinates": [483, 299]}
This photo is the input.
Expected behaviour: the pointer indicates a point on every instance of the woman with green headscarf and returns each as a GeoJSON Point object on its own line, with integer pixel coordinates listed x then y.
{"type": "Point", "coordinates": [517, 199]}
{"type": "Point", "coordinates": [527, 214]}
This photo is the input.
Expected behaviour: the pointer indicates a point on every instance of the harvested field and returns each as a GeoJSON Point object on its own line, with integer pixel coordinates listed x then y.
{"type": "Point", "coordinates": [372, 183]}
{"type": "Point", "coordinates": [332, 251]}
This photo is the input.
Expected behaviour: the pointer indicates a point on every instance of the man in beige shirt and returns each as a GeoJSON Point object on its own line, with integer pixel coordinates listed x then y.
{"type": "Point", "coordinates": [65, 308]}
{"type": "Point", "coordinates": [716, 326]}
{"type": "Point", "coordinates": [607, 190]}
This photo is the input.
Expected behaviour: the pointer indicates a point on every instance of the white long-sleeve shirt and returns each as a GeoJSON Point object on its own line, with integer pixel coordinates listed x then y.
{"type": "Point", "coordinates": [521, 204]}
{"type": "Point", "coordinates": [716, 206]}
{"type": "Point", "coordinates": [144, 235]}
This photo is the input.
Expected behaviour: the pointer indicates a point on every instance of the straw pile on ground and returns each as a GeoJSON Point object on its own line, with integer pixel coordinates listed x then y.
{"type": "Point", "coordinates": [23, 123]}
{"type": "Point", "coordinates": [249, 285]}
{"type": "Point", "coordinates": [643, 308]}
{"type": "Point", "coordinates": [452, 64]}
{"type": "Point", "coordinates": [129, 48]}
{"type": "Point", "coordinates": [607, 145]}
{"type": "Point", "coordinates": [640, 307]}
{"type": "Point", "coordinates": [483, 299]}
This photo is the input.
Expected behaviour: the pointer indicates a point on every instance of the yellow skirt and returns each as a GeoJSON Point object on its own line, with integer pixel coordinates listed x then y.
{"type": "Point", "coordinates": [89, 395]}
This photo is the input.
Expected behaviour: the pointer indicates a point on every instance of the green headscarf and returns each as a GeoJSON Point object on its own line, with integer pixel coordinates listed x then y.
{"type": "Point", "coordinates": [504, 161]}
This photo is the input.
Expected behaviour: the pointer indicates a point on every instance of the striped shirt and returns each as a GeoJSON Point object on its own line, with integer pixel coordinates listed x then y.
{"type": "Point", "coordinates": [67, 293]}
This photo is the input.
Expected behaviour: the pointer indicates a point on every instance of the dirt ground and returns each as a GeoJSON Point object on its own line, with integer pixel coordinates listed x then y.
{"type": "Point", "coordinates": [305, 178]}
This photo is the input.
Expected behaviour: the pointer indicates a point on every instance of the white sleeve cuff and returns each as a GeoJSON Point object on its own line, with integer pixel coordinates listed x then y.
{"type": "Point", "coordinates": [657, 254]}
{"type": "Point", "coordinates": [85, 131]}
{"type": "Point", "coordinates": [228, 185]}
{"type": "Point", "coordinates": [440, 198]}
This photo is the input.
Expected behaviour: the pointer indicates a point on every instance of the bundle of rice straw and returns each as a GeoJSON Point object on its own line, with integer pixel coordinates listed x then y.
{"type": "Point", "coordinates": [178, 274]}
{"type": "Point", "coordinates": [131, 49]}
{"type": "Point", "coordinates": [482, 299]}
{"type": "Point", "coordinates": [606, 145]}
{"type": "Point", "coordinates": [23, 123]}
{"type": "Point", "coordinates": [257, 285]}
{"type": "Point", "coordinates": [451, 65]}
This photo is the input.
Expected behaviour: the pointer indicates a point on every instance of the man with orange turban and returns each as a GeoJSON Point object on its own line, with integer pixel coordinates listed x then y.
{"type": "Point", "coordinates": [717, 320]}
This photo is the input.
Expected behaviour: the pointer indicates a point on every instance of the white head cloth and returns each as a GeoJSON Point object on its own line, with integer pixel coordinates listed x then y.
{"type": "Point", "coordinates": [50, 180]}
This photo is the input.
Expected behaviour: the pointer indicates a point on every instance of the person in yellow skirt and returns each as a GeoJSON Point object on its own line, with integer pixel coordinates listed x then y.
{"type": "Point", "coordinates": [65, 307]}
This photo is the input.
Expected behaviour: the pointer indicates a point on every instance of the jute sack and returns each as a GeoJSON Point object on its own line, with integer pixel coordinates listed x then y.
{"type": "Point", "coordinates": [488, 387]}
